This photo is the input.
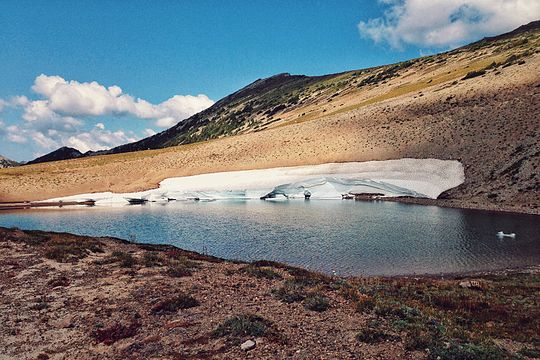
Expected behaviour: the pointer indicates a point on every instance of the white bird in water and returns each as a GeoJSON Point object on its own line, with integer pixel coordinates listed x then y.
{"type": "Point", "coordinates": [500, 234]}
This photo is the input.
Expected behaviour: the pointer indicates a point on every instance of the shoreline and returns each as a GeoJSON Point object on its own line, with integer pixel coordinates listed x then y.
{"type": "Point", "coordinates": [101, 297]}
{"type": "Point", "coordinates": [446, 203]}
{"type": "Point", "coordinates": [207, 257]}
{"type": "Point", "coordinates": [461, 204]}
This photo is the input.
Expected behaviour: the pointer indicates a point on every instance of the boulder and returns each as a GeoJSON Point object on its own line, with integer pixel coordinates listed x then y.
{"type": "Point", "coordinates": [248, 345]}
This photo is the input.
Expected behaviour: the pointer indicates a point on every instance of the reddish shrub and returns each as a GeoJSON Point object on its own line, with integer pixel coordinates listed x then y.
{"type": "Point", "coordinates": [115, 332]}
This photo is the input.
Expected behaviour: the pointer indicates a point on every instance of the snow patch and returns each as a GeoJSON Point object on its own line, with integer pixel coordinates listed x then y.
{"type": "Point", "coordinates": [403, 177]}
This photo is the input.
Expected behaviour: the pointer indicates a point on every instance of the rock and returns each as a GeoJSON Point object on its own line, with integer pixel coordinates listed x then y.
{"type": "Point", "coordinates": [177, 323]}
{"type": "Point", "coordinates": [150, 339]}
{"type": "Point", "coordinates": [64, 323]}
{"type": "Point", "coordinates": [248, 345]}
{"type": "Point", "coordinates": [471, 284]}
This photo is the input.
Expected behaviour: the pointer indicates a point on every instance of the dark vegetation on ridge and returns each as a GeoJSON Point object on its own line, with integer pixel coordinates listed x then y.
{"type": "Point", "coordinates": [64, 153]}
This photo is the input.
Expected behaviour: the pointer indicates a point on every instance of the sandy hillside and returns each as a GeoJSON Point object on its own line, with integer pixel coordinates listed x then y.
{"type": "Point", "coordinates": [489, 122]}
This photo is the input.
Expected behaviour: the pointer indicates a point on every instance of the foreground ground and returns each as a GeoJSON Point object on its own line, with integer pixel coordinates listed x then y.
{"type": "Point", "coordinates": [65, 296]}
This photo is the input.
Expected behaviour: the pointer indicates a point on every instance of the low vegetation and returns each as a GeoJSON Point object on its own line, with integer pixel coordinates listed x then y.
{"type": "Point", "coordinates": [373, 334]}
{"type": "Point", "coordinates": [172, 305]}
{"type": "Point", "coordinates": [290, 293]}
{"type": "Point", "coordinates": [115, 332]}
{"type": "Point", "coordinates": [486, 317]}
{"type": "Point", "coordinates": [180, 266]}
{"type": "Point", "coordinates": [316, 302]}
{"type": "Point", "coordinates": [69, 249]}
{"type": "Point", "coordinates": [453, 321]}
{"type": "Point", "coordinates": [260, 272]}
{"type": "Point", "coordinates": [124, 259]}
{"type": "Point", "coordinates": [243, 325]}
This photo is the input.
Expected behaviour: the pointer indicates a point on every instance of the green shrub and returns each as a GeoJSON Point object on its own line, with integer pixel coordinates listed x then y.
{"type": "Point", "coordinates": [317, 302]}
{"type": "Point", "coordinates": [115, 332]}
{"type": "Point", "coordinates": [179, 302]}
{"type": "Point", "coordinates": [151, 259]}
{"type": "Point", "coordinates": [419, 339]}
{"type": "Point", "coordinates": [373, 335]}
{"type": "Point", "coordinates": [70, 249]}
{"type": "Point", "coordinates": [260, 272]}
{"type": "Point", "coordinates": [178, 270]}
{"type": "Point", "coordinates": [467, 351]}
{"type": "Point", "coordinates": [244, 325]}
{"type": "Point", "coordinates": [365, 303]}
{"type": "Point", "coordinates": [180, 267]}
{"type": "Point", "coordinates": [289, 293]}
{"type": "Point", "coordinates": [530, 352]}
{"type": "Point", "coordinates": [124, 259]}
{"type": "Point", "coordinates": [473, 74]}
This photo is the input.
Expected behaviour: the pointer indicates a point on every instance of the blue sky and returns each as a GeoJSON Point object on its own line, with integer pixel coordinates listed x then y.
{"type": "Point", "coordinates": [154, 50]}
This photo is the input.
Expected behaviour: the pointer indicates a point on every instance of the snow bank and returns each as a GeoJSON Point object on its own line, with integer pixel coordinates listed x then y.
{"type": "Point", "coordinates": [402, 177]}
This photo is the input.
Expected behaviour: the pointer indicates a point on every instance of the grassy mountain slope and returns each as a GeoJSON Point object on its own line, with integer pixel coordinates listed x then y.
{"type": "Point", "coordinates": [478, 104]}
{"type": "Point", "coordinates": [284, 98]}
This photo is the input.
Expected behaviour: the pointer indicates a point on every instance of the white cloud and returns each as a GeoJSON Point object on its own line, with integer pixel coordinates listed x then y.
{"type": "Point", "coordinates": [58, 116]}
{"type": "Point", "coordinates": [180, 107]}
{"type": "Point", "coordinates": [14, 134]}
{"type": "Point", "coordinates": [19, 101]}
{"type": "Point", "coordinates": [446, 23]}
{"type": "Point", "coordinates": [44, 141]}
{"type": "Point", "coordinates": [99, 139]}
{"type": "Point", "coordinates": [149, 132]}
{"type": "Point", "coordinates": [73, 98]}
{"type": "Point", "coordinates": [166, 122]}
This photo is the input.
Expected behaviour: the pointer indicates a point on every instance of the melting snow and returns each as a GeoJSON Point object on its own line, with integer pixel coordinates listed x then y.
{"type": "Point", "coordinates": [402, 177]}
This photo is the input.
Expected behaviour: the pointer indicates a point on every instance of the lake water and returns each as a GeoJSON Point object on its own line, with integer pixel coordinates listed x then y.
{"type": "Point", "coordinates": [345, 237]}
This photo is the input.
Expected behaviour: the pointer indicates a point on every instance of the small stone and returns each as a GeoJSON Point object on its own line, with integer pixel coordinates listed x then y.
{"type": "Point", "coordinates": [64, 323]}
{"type": "Point", "coordinates": [248, 345]}
{"type": "Point", "coordinates": [151, 339]}
{"type": "Point", "coordinates": [176, 323]}
{"type": "Point", "coordinates": [471, 284]}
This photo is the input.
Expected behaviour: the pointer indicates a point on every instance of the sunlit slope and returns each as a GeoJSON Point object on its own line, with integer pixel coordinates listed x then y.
{"type": "Point", "coordinates": [420, 109]}
{"type": "Point", "coordinates": [284, 99]}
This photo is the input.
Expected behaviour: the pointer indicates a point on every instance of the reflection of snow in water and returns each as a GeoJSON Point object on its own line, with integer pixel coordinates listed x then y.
{"type": "Point", "coordinates": [403, 177]}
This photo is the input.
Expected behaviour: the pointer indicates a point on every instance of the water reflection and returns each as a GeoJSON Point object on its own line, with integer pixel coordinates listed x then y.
{"type": "Point", "coordinates": [346, 237]}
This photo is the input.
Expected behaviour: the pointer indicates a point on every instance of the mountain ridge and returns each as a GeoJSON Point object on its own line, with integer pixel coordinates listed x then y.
{"type": "Point", "coordinates": [5, 162]}
{"type": "Point", "coordinates": [227, 117]}
{"type": "Point", "coordinates": [269, 84]}
{"type": "Point", "coordinates": [63, 153]}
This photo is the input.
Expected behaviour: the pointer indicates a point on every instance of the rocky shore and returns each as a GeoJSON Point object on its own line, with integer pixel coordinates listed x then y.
{"type": "Point", "coordinates": [76, 297]}
{"type": "Point", "coordinates": [462, 204]}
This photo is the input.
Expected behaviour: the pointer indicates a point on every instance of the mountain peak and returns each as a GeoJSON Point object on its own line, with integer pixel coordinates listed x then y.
{"type": "Point", "coordinates": [5, 162]}
{"type": "Point", "coordinates": [63, 153]}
